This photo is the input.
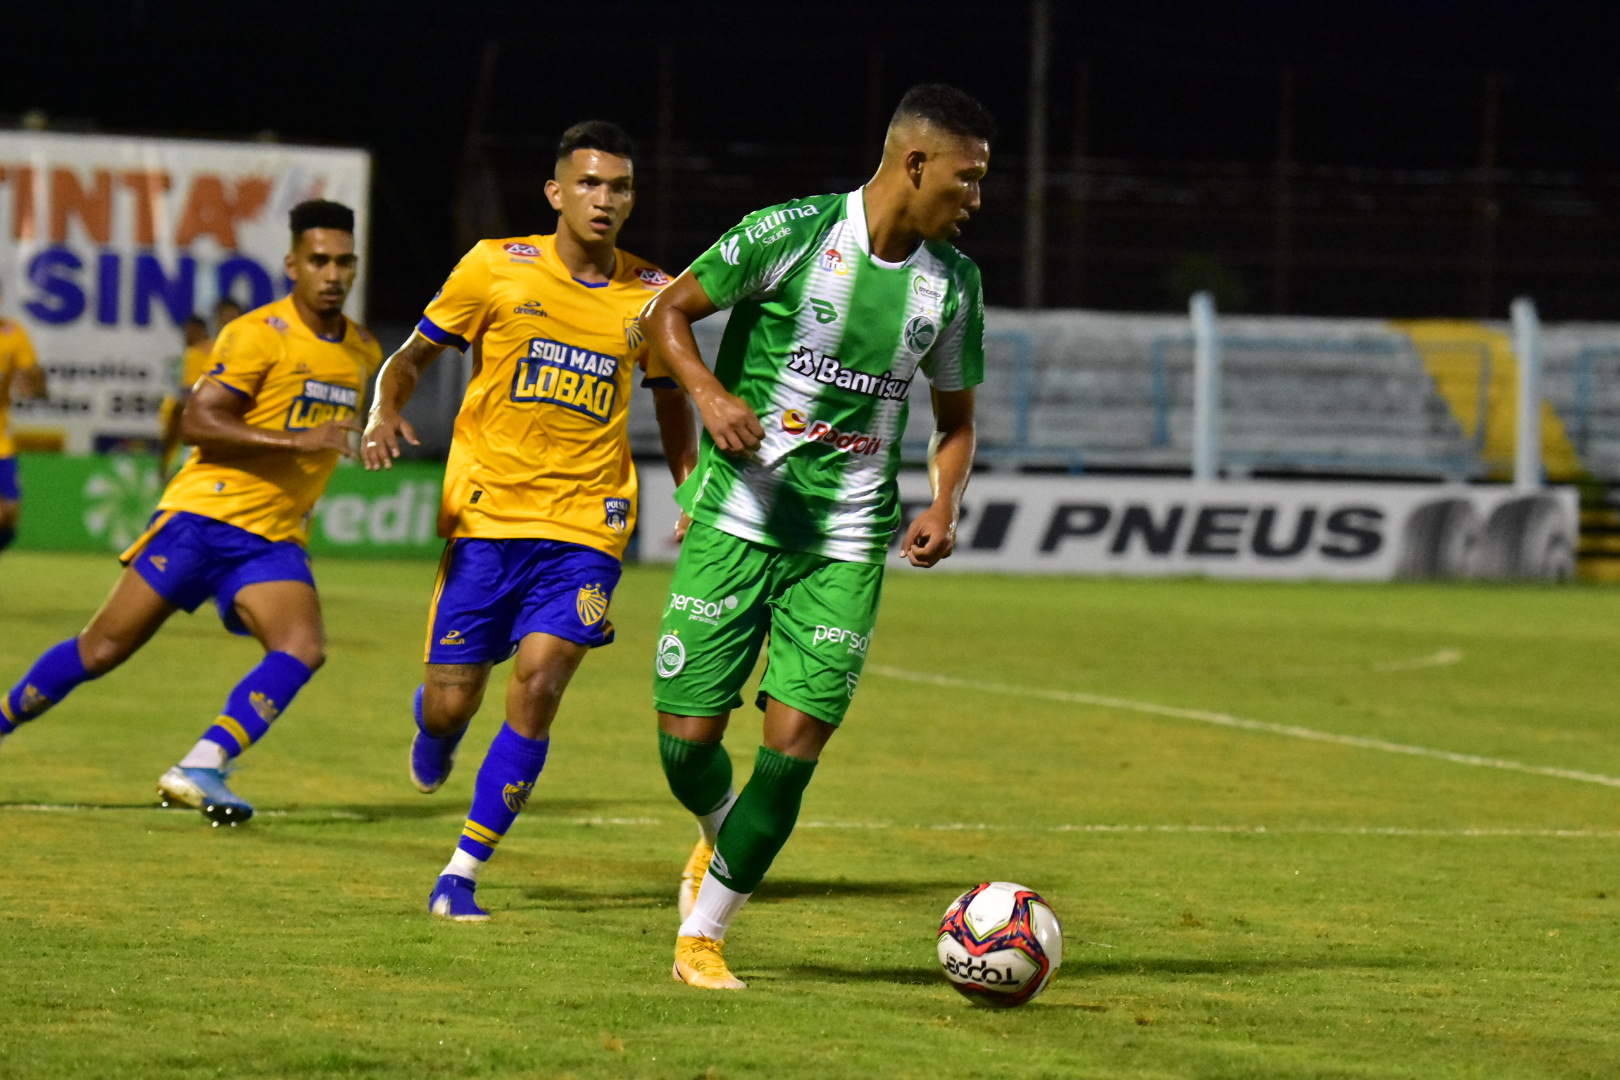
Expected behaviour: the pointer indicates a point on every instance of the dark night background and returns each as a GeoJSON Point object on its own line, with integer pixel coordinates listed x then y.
{"type": "Point", "coordinates": [1351, 158]}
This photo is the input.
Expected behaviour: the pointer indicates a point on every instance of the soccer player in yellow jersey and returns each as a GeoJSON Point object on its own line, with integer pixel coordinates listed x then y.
{"type": "Point", "coordinates": [20, 374]}
{"type": "Point", "coordinates": [540, 493]}
{"type": "Point", "coordinates": [267, 424]}
{"type": "Point", "coordinates": [194, 364]}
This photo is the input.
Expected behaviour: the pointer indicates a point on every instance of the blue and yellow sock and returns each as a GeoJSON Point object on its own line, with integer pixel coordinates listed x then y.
{"type": "Point", "coordinates": [263, 694]}
{"type": "Point", "coordinates": [505, 781]}
{"type": "Point", "coordinates": [53, 675]}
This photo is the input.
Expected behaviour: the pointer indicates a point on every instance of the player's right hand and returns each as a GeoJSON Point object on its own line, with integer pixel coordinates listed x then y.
{"type": "Point", "coordinates": [332, 435]}
{"type": "Point", "coordinates": [731, 423]}
{"type": "Point", "coordinates": [379, 446]}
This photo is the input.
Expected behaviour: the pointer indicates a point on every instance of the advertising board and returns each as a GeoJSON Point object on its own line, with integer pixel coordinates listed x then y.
{"type": "Point", "coordinates": [107, 244]}
{"type": "Point", "coordinates": [1137, 526]}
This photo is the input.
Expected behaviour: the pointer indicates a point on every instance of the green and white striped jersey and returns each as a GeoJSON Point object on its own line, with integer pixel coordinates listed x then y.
{"type": "Point", "coordinates": [822, 345]}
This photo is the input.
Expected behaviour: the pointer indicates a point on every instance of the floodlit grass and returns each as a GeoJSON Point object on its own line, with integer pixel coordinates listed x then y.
{"type": "Point", "coordinates": [136, 942]}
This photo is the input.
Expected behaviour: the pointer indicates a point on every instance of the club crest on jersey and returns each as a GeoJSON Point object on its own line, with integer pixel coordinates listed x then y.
{"type": "Point", "coordinates": [652, 277]}
{"type": "Point", "coordinates": [516, 796]}
{"type": "Point", "coordinates": [320, 402]}
{"type": "Point", "coordinates": [276, 322]}
{"type": "Point", "coordinates": [919, 333]}
{"type": "Point", "coordinates": [794, 421]}
{"type": "Point", "coordinates": [617, 513]}
{"type": "Point", "coordinates": [833, 261]}
{"type": "Point", "coordinates": [591, 603]}
{"type": "Point", "coordinates": [633, 334]}
{"type": "Point", "coordinates": [524, 251]}
{"type": "Point", "coordinates": [559, 374]}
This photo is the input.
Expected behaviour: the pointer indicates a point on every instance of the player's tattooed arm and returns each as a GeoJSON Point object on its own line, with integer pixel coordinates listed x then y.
{"type": "Point", "coordinates": [396, 382]}
{"type": "Point", "coordinates": [932, 534]}
{"type": "Point", "coordinates": [668, 321]}
{"type": "Point", "coordinates": [213, 423]}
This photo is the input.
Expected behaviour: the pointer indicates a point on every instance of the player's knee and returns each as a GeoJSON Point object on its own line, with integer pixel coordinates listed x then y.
{"type": "Point", "coordinates": [309, 652]}
{"type": "Point", "coordinates": [100, 653]}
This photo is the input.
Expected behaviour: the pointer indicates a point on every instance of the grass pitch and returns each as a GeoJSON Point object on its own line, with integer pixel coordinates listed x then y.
{"type": "Point", "coordinates": [1237, 903]}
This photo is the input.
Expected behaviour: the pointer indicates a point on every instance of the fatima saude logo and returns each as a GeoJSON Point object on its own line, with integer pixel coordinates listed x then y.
{"type": "Point", "coordinates": [671, 656]}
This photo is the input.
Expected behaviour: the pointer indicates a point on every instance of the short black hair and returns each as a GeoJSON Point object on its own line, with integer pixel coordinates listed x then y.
{"type": "Point", "coordinates": [320, 214]}
{"type": "Point", "coordinates": [231, 300]}
{"type": "Point", "coordinates": [596, 135]}
{"type": "Point", "coordinates": [194, 320]}
{"type": "Point", "coordinates": [946, 107]}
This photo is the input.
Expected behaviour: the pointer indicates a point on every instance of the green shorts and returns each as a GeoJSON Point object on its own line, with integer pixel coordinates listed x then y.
{"type": "Point", "coordinates": [730, 594]}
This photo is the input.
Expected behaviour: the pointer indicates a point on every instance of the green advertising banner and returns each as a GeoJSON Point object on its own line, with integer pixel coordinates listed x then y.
{"type": "Point", "coordinates": [102, 503]}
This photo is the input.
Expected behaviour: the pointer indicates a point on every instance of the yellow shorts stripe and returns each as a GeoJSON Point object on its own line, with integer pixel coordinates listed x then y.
{"type": "Point", "coordinates": [238, 732]}
{"type": "Point", "coordinates": [438, 590]}
{"type": "Point", "coordinates": [474, 831]}
{"type": "Point", "coordinates": [145, 538]}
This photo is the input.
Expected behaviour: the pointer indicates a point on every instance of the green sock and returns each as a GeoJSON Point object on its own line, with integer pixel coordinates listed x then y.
{"type": "Point", "coordinates": [699, 773]}
{"type": "Point", "coordinates": [761, 820]}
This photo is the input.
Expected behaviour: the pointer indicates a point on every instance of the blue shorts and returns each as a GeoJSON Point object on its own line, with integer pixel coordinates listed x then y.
{"type": "Point", "coordinates": [9, 491]}
{"type": "Point", "coordinates": [187, 558]}
{"type": "Point", "coordinates": [493, 593]}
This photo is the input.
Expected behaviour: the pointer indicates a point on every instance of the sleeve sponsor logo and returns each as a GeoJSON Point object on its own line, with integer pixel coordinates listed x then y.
{"type": "Point", "coordinates": [831, 371]}
{"type": "Point", "coordinates": [559, 374]}
{"type": "Point", "coordinates": [527, 251]}
{"type": "Point", "coordinates": [322, 402]}
{"type": "Point", "coordinates": [652, 277]}
{"type": "Point", "coordinates": [731, 249]}
{"type": "Point", "coordinates": [777, 219]}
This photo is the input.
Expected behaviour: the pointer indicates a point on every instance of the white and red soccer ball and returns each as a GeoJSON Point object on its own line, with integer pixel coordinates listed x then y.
{"type": "Point", "coordinates": [1000, 944]}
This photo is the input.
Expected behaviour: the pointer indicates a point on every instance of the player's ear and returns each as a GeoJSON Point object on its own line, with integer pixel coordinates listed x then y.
{"type": "Point", "coordinates": [290, 261]}
{"type": "Point", "coordinates": [915, 160]}
{"type": "Point", "coordinates": [554, 194]}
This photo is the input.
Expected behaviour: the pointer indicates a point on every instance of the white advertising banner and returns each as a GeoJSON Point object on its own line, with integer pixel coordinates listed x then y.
{"type": "Point", "coordinates": [1365, 532]}
{"type": "Point", "coordinates": [107, 243]}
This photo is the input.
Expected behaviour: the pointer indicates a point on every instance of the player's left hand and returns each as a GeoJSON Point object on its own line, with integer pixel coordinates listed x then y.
{"type": "Point", "coordinates": [930, 537]}
{"type": "Point", "coordinates": [681, 526]}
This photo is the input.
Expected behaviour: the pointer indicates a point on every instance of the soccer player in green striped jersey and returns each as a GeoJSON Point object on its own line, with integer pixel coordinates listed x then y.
{"type": "Point", "coordinates": [837, 301]}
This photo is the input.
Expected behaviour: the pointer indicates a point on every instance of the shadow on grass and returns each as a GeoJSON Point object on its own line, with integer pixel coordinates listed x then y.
{"type": "Point", "coordinates": [564, 898]}
{"type": "Point", "coordinates": [795, 888]}
{"type": "Point", "coordinates": [422, 809]}
{"type": "Point", "coordinates": [1075, 967]}
{"type": "Point", "coordinates": [903, 976]}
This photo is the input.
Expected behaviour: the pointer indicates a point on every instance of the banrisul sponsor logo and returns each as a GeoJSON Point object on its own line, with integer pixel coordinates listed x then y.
{"type": "Point", "coordinates": [702, 610]}
{"type": "Point", "coordinates": [776, 219]}
{"type": "Point", "coordinates": [574, 378]}
{"type": "Point", "coordinates": [831, 371]}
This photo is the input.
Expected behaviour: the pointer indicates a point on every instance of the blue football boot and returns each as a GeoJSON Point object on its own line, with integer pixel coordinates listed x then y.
{"type": "Point", "coordinates": [205, 790]}
{"type": "Point", "coordinates": [432, 756]}
{"type": "Point", "coordinates": [453, 899]}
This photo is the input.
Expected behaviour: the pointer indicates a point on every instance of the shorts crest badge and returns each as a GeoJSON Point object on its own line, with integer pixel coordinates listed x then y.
{"type": "Point", "coordinates": [591, 604]}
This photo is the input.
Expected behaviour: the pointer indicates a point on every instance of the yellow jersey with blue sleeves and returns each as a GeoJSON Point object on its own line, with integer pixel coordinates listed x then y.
{"type": "Point", "coordinates": [16, 353]}
{"type": "Point", "coordinates": [293, 380]}
{"type": "Point", "coordinates": [541, 449]}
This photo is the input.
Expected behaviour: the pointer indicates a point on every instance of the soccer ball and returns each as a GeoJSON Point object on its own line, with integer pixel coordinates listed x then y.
{"type": "Point", "coordinates": [999, 943]}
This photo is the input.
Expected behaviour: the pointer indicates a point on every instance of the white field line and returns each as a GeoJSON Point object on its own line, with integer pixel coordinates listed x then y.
{"type": "Point", "coordinates": [1439, 659]}
{"type": "Point", "coordinates": [948, 826]}
{"type": "Point", "coordinates": [1074, 697]}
